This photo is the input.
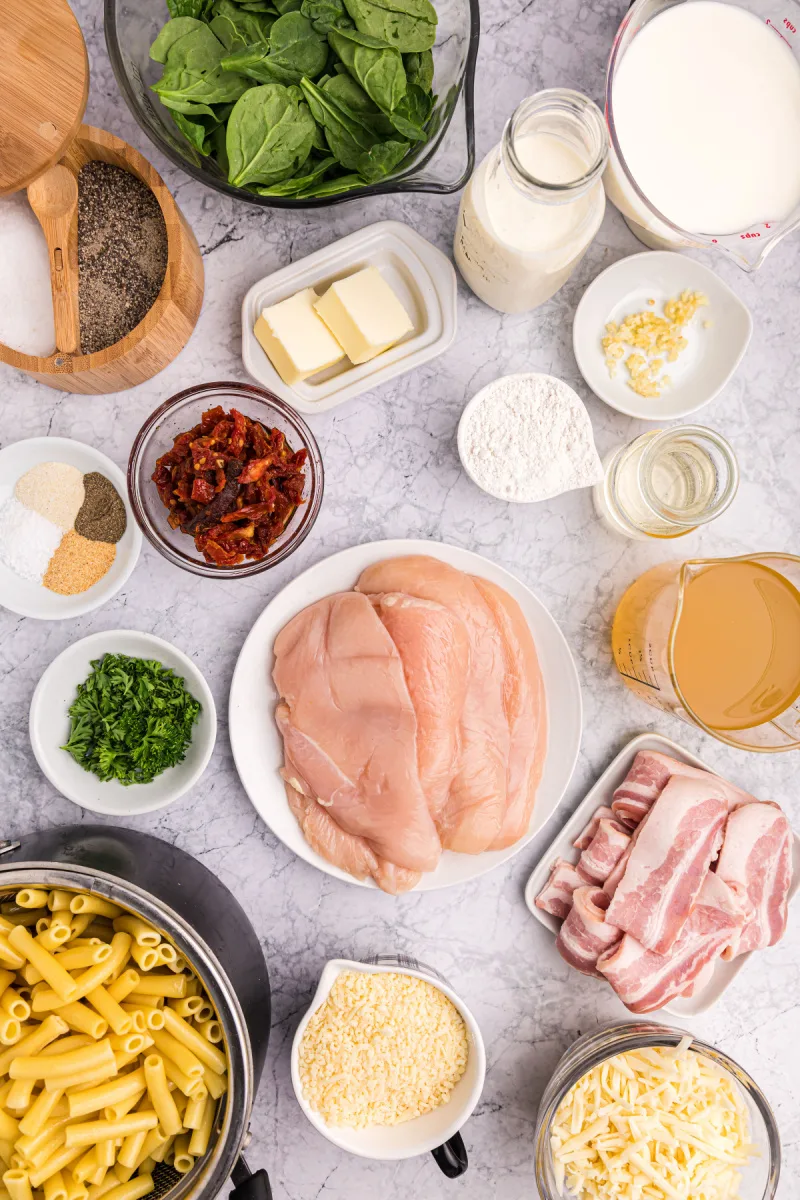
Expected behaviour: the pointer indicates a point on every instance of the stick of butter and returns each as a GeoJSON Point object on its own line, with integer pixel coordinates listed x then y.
{"type": "Point", "coordinates": [364, 314]}
{"type": "Point", "coordinates": [295, 340]}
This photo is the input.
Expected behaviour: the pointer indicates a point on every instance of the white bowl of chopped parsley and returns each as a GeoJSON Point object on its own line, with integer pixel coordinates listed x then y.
{"type": "Point", "coordinates": [122, 723]}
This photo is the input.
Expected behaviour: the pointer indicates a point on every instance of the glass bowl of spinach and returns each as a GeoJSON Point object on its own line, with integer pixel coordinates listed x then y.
{"type": "Point", "coordinates": [303, 103]}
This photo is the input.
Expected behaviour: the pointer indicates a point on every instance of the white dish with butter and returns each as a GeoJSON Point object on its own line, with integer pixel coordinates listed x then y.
{"type": "Point", "coordinates": [420, 276]}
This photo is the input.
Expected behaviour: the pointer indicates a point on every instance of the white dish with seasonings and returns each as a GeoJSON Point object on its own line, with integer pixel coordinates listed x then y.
{"type": "Point", "coordinates": [421, 277]}
{"type": "Point", "coordinates": [32, 599]}
{"type": "Point", "coordinates": [717, 336]}
{"type": "Point", "coordinates": [435, 1131]}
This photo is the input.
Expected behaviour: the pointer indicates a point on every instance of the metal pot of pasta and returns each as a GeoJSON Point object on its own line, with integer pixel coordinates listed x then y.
{"type": "Point", "coordinates": [134, 1019]}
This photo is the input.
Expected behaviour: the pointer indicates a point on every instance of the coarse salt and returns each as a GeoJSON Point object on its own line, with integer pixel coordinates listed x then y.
{"type": "Point", "coordinates": [27, 540]}
{"type": "Point", "coordinates": [529, 437]}
{"type": "Point", "coordinates": [27, 323]}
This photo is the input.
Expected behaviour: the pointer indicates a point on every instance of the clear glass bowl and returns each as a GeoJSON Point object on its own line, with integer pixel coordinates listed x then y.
{"type": "Point", "coordinates": [182, 412]}
{"type": "Point", "coordinates": [443, 164]}
{"type": "Point", "coordinates": [759, 1178]}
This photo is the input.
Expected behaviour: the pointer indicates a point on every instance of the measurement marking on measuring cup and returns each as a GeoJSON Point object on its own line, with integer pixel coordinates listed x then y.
{"type": "Point", "coordinates": [644, 674]}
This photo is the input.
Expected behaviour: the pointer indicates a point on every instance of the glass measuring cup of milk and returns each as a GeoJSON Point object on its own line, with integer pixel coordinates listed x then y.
{"type": "Point", "coordinates": [666, 483]}
{"type": "Point", "coordinates": [716, 642]}
{"type": "Point", "coordinates": [535, 203]}
{"type": "Point", "coordinates": [726, 79]}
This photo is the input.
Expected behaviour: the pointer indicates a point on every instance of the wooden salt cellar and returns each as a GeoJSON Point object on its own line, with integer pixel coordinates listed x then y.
{"type": "Point", "coordinates": [44, 81]}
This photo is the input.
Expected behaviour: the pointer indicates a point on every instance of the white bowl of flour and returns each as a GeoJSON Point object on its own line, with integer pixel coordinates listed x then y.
{"type": "Point", "coordinates": [525, 438]}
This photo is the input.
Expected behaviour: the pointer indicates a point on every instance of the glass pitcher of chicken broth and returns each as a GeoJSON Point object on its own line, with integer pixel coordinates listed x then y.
{"type": "Point", "coordinates": [535, 203]}
{"type": "Point", "coordinates": [703, 109]}
{"type": "Point", "coordinates": [717, 643]}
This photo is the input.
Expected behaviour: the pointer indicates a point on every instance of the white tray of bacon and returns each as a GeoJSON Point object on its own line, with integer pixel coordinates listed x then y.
{"type": "Point", "coordinates": [759, 854]}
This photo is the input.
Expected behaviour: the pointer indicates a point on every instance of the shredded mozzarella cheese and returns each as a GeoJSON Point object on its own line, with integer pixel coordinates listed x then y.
{"type": "Point", "coordinates": [662, 1123]}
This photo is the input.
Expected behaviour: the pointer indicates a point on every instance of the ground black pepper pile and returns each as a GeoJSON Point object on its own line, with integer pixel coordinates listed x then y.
{"type": "Point", "coordinates": [122, 253]}
{"type": "Point", "coordinates": [102, 515]}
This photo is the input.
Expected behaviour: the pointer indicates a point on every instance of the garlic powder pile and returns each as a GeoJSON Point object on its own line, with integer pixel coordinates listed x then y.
{"type": "Point", "coordinates": [383, 1048]}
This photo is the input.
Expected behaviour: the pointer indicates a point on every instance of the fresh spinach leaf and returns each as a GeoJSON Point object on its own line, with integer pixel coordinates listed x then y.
{"type": "Point", "coordinates": [236, 28]}
{"type": "Point", "coordinates": [169, 35]}
{"type": "Point", "coordinates": [287, 6]}
{"type": "Point", "coordinates": [308, 177]}
{"type": "Point", "coordinates": [294, 50]}
{"type": "Point", "coordinates": [381, 159]}
{"type": "Point", "coordinates": [326, 15]}
{"type": "Point", "coordinates": [408, 25]}
{"type": "Point", "coordinates": [377, 68]}
{"type": "Point", "coordinates": [419, 69]}
{"type": "Point", "coordinates": [332, 187]}
{"type": "Point", "coordinates": [193, 78]}
{"type": "Point", "coordinates": [412, 113]}
{"type": "Point", "coordinates": [350, 93]}
{"type": "Point", "coordinates": [269, 136]}
{"type": "Point", "coordinates": [348, 134]}
{"type": "Point", "coordinates": [187, 8]}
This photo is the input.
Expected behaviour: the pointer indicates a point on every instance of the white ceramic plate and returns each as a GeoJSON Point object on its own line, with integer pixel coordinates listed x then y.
{"type": "Point", "coordinates": [701, 371]}
{"type": "Point", "coordinates": [421, 277]}
{"type": "Point", "coordinates": [49, 726]}
{"type": "Point", "coordinates": [258, 748]}
{"type": "Point", "coordinates": [31, 599]}
{"type": "Point", "coordinates": [410, 1137]}
{"type": "Point", "coordinates": [600, 794]}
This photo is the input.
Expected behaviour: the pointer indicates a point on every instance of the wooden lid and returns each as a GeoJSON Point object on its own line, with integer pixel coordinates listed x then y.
{"type": "Point", "coordinates": [44, 82]}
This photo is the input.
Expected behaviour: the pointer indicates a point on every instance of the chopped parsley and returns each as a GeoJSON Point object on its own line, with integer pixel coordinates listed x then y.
{"type": "Point", "coordinates": [131, 719]}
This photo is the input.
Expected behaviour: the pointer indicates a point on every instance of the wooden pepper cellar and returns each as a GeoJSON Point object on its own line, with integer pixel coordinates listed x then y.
{"type": "Point", "coordinates": [44, 82]}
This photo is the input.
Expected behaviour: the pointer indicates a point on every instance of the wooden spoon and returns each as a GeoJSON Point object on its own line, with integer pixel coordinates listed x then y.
{"type": "Point", "coordinates": [54, 199]}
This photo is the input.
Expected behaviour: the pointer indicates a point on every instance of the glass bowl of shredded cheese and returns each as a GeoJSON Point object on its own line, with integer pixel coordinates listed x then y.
{"type": "Point", "coordinates": [645, 1112]}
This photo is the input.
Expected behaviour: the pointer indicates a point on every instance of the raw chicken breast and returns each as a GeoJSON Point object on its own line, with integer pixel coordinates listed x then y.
{"type": "Point", "coordinates": [351, 853]}
{"type": "Point", "coordinates": [473, 816]}
{"type": "Point", "coordinates": [526, 712]}
{"type": "Point", "coordinates": [433, 645]}
{"type": "Point", "coordinates": [349, 728]}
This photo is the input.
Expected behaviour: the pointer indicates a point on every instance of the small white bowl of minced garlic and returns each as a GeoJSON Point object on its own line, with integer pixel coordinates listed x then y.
{"type": "Point", "coordinates": [388, 1062]}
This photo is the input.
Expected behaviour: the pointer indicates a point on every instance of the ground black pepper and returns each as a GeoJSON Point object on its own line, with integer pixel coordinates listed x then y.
{"type": "Point", "coordinates": [102, 515]}
{"type": "Point", "coordinates": [122, 253]}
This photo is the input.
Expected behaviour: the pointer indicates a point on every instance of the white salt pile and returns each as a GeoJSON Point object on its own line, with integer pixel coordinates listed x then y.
{"type": "Point", "coordinates": [26, 302]}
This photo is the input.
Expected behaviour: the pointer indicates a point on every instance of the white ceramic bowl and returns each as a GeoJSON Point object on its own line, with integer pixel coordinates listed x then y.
{"type": "Point", "coordinates": [49, 726]}
{"type": "Point", "coordinates": [706, 365]}
{"type": "Point", "coordinates": [425, 1133]}
{"type": "Point", "coordinates": [422, 278]}
{"type": "Point", "coordinates": [31, 599]}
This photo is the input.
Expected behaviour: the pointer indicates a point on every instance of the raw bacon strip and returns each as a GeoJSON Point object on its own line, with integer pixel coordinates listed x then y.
{"type": "Point", "coordinates": [586, 933]}
{"type": "Point", "coordinates": [641, 787]}
{"type": "Point", "coordinates": [648, 777]}
{"type": "Point", "coordinates": [669, 861]}
{"type": "Point", "coordinates": [603, 852]}
{"type": "Point", "coordinates": [645, 981]}
{"type": "Point", "coordinates": [556, 897]}
{"type": "Point", "coordinates": [755, 862]}
{"type": "Point", "coordinates": [700, 981]}
{"type": "Point", "coordinates": [615, 878]}
{"type": "Point", "coordinates": [584, 838]}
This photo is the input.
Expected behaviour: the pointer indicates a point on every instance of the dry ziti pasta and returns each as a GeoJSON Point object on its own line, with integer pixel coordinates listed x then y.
{"type": "Point", "coordinates": [111, 1054]}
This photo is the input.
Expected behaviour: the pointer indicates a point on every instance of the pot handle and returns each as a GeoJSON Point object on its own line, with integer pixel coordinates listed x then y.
{"type": "Point", "coordinates": [451, 1158]}
{"type": "Point", "coordinates": [250, 1185]}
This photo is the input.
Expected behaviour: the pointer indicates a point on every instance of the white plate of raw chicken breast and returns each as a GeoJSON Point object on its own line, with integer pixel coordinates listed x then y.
{"type": "Point", "coordinates": [471, 783]}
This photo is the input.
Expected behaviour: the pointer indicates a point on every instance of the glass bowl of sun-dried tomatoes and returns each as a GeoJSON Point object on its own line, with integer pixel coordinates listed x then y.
{"type": "Point", "coordinates": [225, 479]}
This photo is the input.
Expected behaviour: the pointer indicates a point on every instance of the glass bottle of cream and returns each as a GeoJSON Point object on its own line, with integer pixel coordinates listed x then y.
{"type": "Point", "coordinates": [535, 203]}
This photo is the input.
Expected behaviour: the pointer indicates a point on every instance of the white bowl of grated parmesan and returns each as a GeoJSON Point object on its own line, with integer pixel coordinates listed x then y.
{"type": "Point", "coordinates": [641, 1110]}
{"type": "Point", "coordinates": [388, 1062]}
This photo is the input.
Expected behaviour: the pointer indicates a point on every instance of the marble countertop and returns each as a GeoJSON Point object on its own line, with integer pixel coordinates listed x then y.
{"type": "Point", "coordinates": [392, 471]}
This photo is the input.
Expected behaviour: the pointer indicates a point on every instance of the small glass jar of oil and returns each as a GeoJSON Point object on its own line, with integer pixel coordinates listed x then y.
{"type": "Point", "coordinates": [667, 482]}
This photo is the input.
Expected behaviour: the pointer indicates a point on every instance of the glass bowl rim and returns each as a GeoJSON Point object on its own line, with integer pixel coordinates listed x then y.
{"type": "Point", "coordinates": [400, 183]}
{"type": "Point", "coordinates": [295, 539]}
{"type": "Point", "coordinates": [610, 1040]}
